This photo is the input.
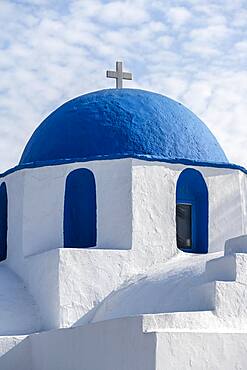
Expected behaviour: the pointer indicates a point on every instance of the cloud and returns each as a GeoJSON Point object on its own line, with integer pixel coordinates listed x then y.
{"type": "Point", "coordinates": [194, 52]}
{"type": "Point", "coordinates": [179, 15]}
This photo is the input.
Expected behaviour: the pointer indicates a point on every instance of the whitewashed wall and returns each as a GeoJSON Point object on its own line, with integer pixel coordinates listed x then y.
{"type": "Point", "coordinates": [43, 205]}
{"type": "Point", "coordinates": [15, 191]}
{"type": "Point", "coordinates": [113, 345]}
{"type": "Point", "coordinates": [225, 207]}
{"type": "Point", "coordinates": [122, 345]}
{"type": "Point", "coordinates": [130, 194]}
{"type": "Point", "coordinates": [35, 227]}
{"type": "Point", "coordinates": [135, 220]}
{"type": "Point", "coordinates": [154, 199]}
{"type": "Point", "coordinates": [153, 202]}
{"type": "Point", "coordinates": [43, 284]}
{"type": "Point", "coordinates": [201, 350]}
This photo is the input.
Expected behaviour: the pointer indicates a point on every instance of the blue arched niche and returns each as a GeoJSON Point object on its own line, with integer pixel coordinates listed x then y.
{"type": "Point", "coordinates": [192, 212]}
{"type": "Point", "coordinates": [80, 210]}
{"type": "Point", "coordinates": [3, 221]}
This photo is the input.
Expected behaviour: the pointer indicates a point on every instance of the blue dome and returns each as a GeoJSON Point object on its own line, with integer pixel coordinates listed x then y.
{"type": "Point", "coordinates": [118, 123]}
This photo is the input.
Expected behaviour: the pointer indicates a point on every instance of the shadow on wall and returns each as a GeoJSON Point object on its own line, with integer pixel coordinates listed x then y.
{"type": "Point", "coordinates": [192, 212]}
{"type": "Point", "coordinates": [18, 357]}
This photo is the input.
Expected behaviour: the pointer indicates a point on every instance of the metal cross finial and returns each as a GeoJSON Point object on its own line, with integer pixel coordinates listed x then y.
{"type": "Point", "coordinates": [119, 75]}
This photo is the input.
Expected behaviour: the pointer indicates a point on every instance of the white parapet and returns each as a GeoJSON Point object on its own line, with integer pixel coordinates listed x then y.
{"type": "Point", "coordinates": [123, 345]}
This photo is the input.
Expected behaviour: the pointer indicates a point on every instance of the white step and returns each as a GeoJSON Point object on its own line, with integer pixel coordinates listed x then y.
{"type": "Point", "coordinates": [195, 320]}
{"type": "Point", "coordinates": [222, 268]}
{"type": "Point", "coordinates": [236, 245]}
{"type": "Point", "coordinates": [228, 268]}
{"type": "Point", "coordinates": [241, 268]}
{"type": "Point", "coordinates": [231, 300]}
{"type": "Point", "coordinates": [224, 318]}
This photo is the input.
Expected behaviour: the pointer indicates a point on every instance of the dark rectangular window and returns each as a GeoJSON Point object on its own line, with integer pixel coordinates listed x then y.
{"type": "Point", "coordinates": [184, 225]}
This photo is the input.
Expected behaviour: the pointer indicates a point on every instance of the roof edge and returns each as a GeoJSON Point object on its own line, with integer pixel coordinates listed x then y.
{"type": "Point", "coordinates": [145, 157]}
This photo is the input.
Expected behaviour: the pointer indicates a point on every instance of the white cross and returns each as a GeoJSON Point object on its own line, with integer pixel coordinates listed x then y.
{"type": "Point", "coordinates": [119, 75]}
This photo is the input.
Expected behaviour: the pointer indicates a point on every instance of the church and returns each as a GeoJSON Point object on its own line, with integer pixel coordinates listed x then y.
{"type": "Point", "coordinates": [123, 241]}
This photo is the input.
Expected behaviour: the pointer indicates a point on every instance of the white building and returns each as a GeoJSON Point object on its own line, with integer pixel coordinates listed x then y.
{"type": "Point", "coordinates": [122, 242]}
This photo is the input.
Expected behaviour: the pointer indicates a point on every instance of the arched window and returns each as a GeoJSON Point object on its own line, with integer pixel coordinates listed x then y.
{"type": "Point", "coordinates": [3, 221]}
{"type": "Point", "coordinates": [80, 210]}
{"type": "Point", "coordinates": [192, 212]}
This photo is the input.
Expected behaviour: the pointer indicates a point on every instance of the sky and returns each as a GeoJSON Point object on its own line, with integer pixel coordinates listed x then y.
{"type": "Point", "coordinates": [192, 51]}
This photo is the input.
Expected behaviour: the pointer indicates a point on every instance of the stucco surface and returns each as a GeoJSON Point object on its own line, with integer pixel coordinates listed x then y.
{"type": "Point", "coordinates": [9, 342]}
{"type": "Point", "coordinates": [43, 205]}
{"type": "Point", "coordinates": [121, 345]}
{"type": "Point", "coordinates": [18, 312]}
{"type": "Point", "coordinates": [226, 289]}
{"type": "Point", "coordinates": [114, 345]}
{"type": "Point", "coordinates": [136, 267]}
{"type": "Point", "coordinates": [87, 277]}
{"type": "Point", "coordinates": [136, 234]}
{"type": "Point", "coordinates": [122, 122]}
{"type": "Point", "coordinates": [201, 351]}
{"type": "Point", "coordinates": [182, 285]}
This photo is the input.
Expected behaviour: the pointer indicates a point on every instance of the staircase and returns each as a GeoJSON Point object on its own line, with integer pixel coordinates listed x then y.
{"type": "Point", "coordinates": [227, 278]}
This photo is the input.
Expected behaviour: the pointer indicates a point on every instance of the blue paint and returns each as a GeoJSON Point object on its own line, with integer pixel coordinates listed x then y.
{"type": "Point", "coordinates": [119, 123]}
{"type": "Point", "coordinates": [192, 189]}
{"type": "Point", "coordinates": [3, 221]}
{"type": "Point", "coordinates": [143, 157]}
{"type": "Point", "coordinates": [80, 209]}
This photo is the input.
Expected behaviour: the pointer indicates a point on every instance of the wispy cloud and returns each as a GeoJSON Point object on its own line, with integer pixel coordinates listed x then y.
{"type": "Point", "coordinates": [52, 51]}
